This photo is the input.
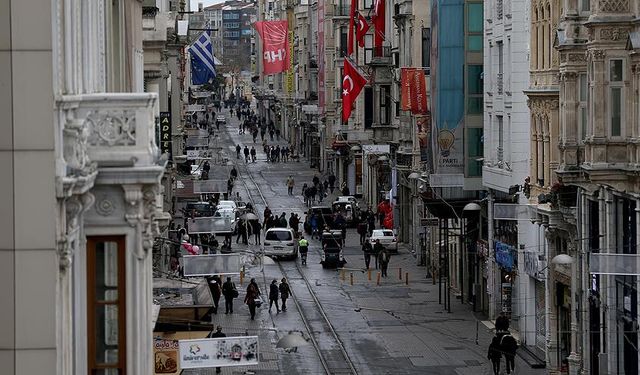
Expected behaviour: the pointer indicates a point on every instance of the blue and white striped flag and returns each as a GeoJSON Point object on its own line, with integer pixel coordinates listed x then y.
{"type": "Point", "coordinates": [202, 61]}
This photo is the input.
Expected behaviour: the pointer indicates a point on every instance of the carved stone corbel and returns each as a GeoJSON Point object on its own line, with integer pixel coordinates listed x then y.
{"type": "Point", "coordinates": [74, 207]}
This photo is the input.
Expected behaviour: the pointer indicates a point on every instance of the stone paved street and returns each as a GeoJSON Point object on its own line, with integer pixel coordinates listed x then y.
{"type": "Point", "coordinates": [392, 328]}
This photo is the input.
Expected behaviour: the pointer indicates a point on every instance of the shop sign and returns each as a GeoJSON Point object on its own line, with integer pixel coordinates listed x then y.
{"type": "Point", "coordinates": [483, 248]}
{"type": "Point", "coordinates": [505, 291]}
{"type": "Point", "coordinates": [165, 133]}
{"type": "Point", "coordinates": [166, 356]}
{"type": "Point", "coordinates": [504, 256]}
{"type": "Point", "coordinates": [219, 352]}
{"type": "Point", "coordinates": [531, 263]}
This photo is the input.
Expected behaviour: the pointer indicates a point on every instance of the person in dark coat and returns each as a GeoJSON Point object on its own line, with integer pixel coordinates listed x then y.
{"type": "Point", "coordinates": [367, 249]}
{"type": "Point", "coordinates": [502, 323]}
{"type": "Point", "coordinates": [238, 149]}
{"type": "Point", "coordinates": [509, 345]}
{"type": "Point", "coordinates": [285, 291]}
{"type": "Point", "coordinates": [371, 222]}
{"type": "Point", "coordinates": [383, 260]}
{"type": "Point", "coordinates": [212, 335]}
{"type": "Point", "coordinates": [362, 231]}
{"type": "Point", "coordinates": [274, 293]}
{"type": "Point", "coordinates": [332, 182]}
{"type": "Point", "coordinates": [229, 292]}
{"type": "Point", "coordinates": [253, 292]}
{"type": "Point", "coordinates": [377, 249]}
{"type": "Point", "coordinates": [256, 228]}
{"type": "Point", "coordinates": [495, 354]}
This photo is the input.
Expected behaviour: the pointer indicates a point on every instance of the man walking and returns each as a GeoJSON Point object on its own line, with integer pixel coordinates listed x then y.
{"type": "Point", "coordinates": [367, 249]}
{"type": "Point", "coordinates": [229, 292]}
{"type": "Point", "coordinates": [377, 249]}
{"type": "Point", "coordinates": [383, 259]}
{"type": "Point", "coordinates": [253, 154]}
{"type": "Point", "coordinates": [246, 154]}
{"type": "Point", "coordinates": [290, 185]}
{"type": "Point", "coordinates": [238, 149]}
{"type": "Point", "coordinates": [285, 291]}
{"type": "Point", "coordinates": [274, 293]}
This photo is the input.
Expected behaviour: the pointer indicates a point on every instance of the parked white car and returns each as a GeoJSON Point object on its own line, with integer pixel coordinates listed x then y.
{"type": "Point", "coordinates": [387, 238]}
{"type": "Point", "coordinates": [227, 204]}
{"type": "Point", "coordinates": [280, 243]}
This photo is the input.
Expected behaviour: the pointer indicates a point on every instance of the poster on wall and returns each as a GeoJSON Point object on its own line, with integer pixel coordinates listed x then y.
{"type": "Point", "coordinates": [219, 352]}
{"type": "Point", "coordinates": [166, 356]}
{"type": "Point", "coordinates": [423, 127]}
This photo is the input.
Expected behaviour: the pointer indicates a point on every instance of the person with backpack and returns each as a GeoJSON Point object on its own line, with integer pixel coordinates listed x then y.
{"type": "Point", "coordinates": [285, 291]}
{"type": "Point", "coordinates": [495, 355]}
{"type": "Point", "coordinates": [229, 292]}
{"type": "Point", "coordinates": [274, 293]}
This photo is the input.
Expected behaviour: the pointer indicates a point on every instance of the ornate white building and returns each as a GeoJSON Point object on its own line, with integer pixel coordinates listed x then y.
{"type": "Point", "coordinates": [81, 200]}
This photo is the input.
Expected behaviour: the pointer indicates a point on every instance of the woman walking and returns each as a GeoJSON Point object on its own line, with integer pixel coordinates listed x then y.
{"type": "Point", "coordinates": [253, 292]}
{"type": "Point", "coordinates": [274, 293]}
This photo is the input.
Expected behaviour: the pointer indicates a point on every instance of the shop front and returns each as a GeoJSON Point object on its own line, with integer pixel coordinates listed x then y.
{"type": "Point", "coordinates": [506, 259]}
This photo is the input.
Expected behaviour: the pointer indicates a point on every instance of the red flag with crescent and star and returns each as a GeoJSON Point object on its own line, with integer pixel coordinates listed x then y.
{"type": "Point", "coordinates": [352, 84]}
{"type": "Point", "coordinates": [352, 21]}
{"type": "Point", "coordinates": [361, 31]}
{"type": "Point", "coordinates": [379, 25]}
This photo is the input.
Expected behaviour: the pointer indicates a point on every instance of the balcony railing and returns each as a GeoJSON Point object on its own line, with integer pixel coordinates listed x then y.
{"type": "Point", "coordinates": [110, 129]}
{"type": "Point", "coordinates": [381, 56]}
{"type": "Point", "coordinates": [499, 9]}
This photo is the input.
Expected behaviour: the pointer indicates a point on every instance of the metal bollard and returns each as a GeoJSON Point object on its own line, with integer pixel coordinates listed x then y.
{"type": "Point", "coordinates": [241, 276]}
{"type": "Point", "coordinates": [369, 274]}
{"type": "Point", "coordinates": [406, 278]}
{"type": "Point", "coordinates": [400, 273]}
{"type": "Point", "coordinates": [342, 274]}
{"type": "Point", "coordinates": [351, 278]}
{"type": "Point", "coordinates": [378, 279]}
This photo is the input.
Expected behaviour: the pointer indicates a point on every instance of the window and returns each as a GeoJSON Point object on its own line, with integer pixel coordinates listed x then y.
{"type": "Point", "coordinates": [582, 106]}
{"type": "Point", "coordinates": [426, 49]}
{"type": "Point", "coordinates": [343, 41]}
{"type": "Point", "coordinates": [616, 85]}
{"type": "Point", "coordinates": [368, 48]}
{"type": "Point", "coordinates": [106, 314]}
{"type": "Point", "coordinates": [278, 235]}
{"type": "Point", "coordinates": [500, 138]}
{"type": "Point", "coordinates": [368, 4]}
{"type": "Point", "coordinates": [385, 104]}
{"type": "Point", "coordinates": [474, 27]}
{"type": "Point", "coordinates": [474, 89]}
{"type": "Point", "coordinates": [585, 5]}
{"type": "Point", "coordinates": [474, 152]}
{"type": "Point", "coordinates": [368, 107]}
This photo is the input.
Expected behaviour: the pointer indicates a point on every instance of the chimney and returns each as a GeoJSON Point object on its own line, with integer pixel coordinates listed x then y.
{"type": "Point", "coordinates": [200, 6]}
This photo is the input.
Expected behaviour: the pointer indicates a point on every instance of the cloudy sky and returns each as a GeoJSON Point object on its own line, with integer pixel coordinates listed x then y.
{"type": "Point", "coordinates": [194, 3]}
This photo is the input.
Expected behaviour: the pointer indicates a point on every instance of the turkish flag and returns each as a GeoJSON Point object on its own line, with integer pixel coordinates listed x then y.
{"type": "Point", "coordinates": [363, 27]}
{"type": "Point", "coordinates": [275, 46]}
{"type": "Point", "coordinates": [379, 24]}
{"type": "Point", "coordinates": [352, 20]}
{"type": "Point", "coordinates": [352, 84]}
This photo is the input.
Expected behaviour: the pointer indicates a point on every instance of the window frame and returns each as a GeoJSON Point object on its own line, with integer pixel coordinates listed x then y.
{"type": "Point", "coordinates": [92, 303]}
{"type": "Point", "coordinates": [385, 99]}
{"type": "Point", "coordinates": [583, 107]}
{"type": "Point", "coordinates": [620, 84]}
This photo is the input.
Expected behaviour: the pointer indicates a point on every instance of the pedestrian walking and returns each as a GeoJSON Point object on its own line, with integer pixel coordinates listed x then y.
{"type": "Point", "coordinates": [290, 184]}
{"type": "Point", "coordinates": [383, 260]}
{"type": "Point", "coordinates": [271, 132]}
{"type": "Point", "coordinates": [367, 250]}
{"type": "Point", "coordinates": [274, 294]}
{"type": "Point", "coordinates": [508, 346]}
{"type": "Point", "coordinates": [217, 334]}
{"type": "Point", "coordinates": [377, 249]}
{"type": "Point", "coordinates": [495, 354]}
{"type": "Point", "coordinates": [315, 180]}
{"type": "Point", "coordinates": [238, 149]}
{"type": "Point", "coordinates": [229, 292]}
{"type": "Point", "coordinates": [285, 292]}
{"type": "Point", "coordinates": [253, 154]}
{"type": "Point", "coordinates": [371, 222]}
{"type": "Point", "coordinates": [252, 297]}
{"type": "Point", "coordinates": [215, 286]}
{"type": "Point", "coordinates": [332, 182]}
{"type": "Point", "coordinates": [278, 134]}
{"type": "Point", "coordinates": [502, 323]}
{"type": "Point", "coordinates": [362, 231]}
{"type": "Point", "coordinates": [246, 154]}
{"type": "Point", "coordinates": [257, 227]}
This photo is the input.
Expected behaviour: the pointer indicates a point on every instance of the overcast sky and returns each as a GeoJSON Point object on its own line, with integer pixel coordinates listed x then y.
{"type": "Point", "coordinates": [194, 3]}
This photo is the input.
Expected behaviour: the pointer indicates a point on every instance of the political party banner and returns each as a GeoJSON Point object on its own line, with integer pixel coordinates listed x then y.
{"type": "Point", "coordinates": [413, 90]}
{"type": "Point", "coordinates": [165, 354]}
{"type": "Point", "coordinates": [165, 133]}
{"type": "Point", "coordinates": [275, 46]}
{"type": "Point", "coordinates": [219, 352]}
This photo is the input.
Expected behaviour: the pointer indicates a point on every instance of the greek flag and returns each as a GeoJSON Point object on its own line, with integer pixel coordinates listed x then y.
{"type": "Point", "coordinates": [202, 61]}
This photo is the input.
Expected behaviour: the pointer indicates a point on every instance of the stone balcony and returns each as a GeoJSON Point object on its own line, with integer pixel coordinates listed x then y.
{"type": "Point", "coordinates": [109, 129]}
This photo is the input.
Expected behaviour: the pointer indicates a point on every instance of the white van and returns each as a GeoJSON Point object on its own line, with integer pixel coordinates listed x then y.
{"type": "Point", "coordinates": [280, 243]}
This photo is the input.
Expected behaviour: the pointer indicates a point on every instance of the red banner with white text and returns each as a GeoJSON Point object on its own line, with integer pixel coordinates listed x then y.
{"type": "Point", "coordinates": [275, 46]}
{"type": "Point", "coordinates": [413, 91]}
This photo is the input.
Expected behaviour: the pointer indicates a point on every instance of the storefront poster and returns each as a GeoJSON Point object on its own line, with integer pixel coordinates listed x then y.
{"type": "Point", "coordinates": [504, 256]}
{"type": "Point", "coordinates": [219, 352]}
{"type": "Point", "coordinates": [166, 356]}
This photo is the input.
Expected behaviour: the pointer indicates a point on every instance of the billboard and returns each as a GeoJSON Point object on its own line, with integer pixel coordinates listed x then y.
{"type": "Point", "coordinates": [165, 354]}
{"type": "Point", "coordinates": [211, 264]}
{"type": "Point", "coordinates": [219, 352]}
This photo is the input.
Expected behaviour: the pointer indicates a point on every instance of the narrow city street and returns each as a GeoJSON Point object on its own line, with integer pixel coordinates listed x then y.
{"type": "Point", "coordinates": [392, 328]}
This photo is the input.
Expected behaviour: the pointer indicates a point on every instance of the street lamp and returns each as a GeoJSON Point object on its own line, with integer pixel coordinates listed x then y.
{"type": "Point", "coordinates": [413, 177]}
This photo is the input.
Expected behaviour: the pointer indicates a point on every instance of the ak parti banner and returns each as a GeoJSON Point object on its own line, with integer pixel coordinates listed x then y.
{"type": "Point", "coordinates": [414, 91]}
{"type": "Point", "coordinates": [275, 46]}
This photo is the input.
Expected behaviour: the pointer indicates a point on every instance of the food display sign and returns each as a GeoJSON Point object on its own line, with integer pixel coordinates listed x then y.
{"type": "Point", "coordinates": [166, 356]}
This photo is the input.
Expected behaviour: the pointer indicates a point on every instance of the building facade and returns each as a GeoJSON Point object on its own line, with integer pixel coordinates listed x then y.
{"type": "Point", "coordinates": [81, 192]}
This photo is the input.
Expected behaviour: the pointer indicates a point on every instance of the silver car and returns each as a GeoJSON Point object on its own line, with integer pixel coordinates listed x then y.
{"type": "Point", "coordinates": [280, 243]}
{"type": "Point", "coordinates": [387, 239]}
